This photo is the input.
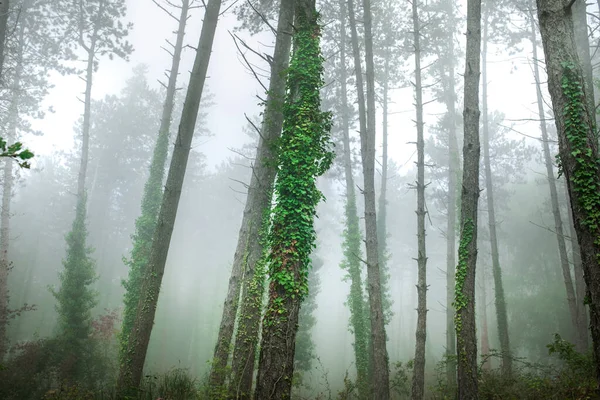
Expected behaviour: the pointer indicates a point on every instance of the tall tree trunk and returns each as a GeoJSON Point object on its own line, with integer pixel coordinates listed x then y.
{"type": "Point", "coordinates": [558, 224]}
{"type": "Point", "coordinates": [146, 222]}
{"type": "Point", "coordinates": [418, 382]}
{"type": "Point", "coordinates": [255, 224]}
{"type": "Point", "coordinates": [380, 372]}
{"type": "Point", "coordinates": [7, 192]}
{"type": "Point", "coordinates": [352, 239]}
{"type": "Point", "coordinates": [453, 171]}
{"type": "Point", "coordinates": [578, 143]}
{"type": "Point", "coordinates": [464, 301]}
{"type": "Point", "coordinates": [580, 287]}
{"type": "Point", "coordinates": [4, 12]}
{"type": "Point", "coordinates": [500, 302]}
{"type": "Point", "coordinates": [130, 372]}
{"type": "Point", "coordinates": [382, 211]}
{"type": "Point", "coordinates": [303, 156]}
{"type": "Point", "coordinates": [485, 337]}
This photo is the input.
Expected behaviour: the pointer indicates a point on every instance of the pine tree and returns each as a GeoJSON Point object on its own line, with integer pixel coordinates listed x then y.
{"type": "Point", "coordinates": [464, 299]}
{"type": "Point", "coordinates": [130, 372]}
{"type": "Point", "coordinates": [578, 144]}
{"type": "Point", "coordinates": [304, 155]}
{"type": "Point", "coordinates": [146, 223]}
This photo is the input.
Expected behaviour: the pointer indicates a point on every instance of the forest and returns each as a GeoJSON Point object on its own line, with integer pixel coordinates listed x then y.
{"type": "Point", "coordinates": [299, 199]}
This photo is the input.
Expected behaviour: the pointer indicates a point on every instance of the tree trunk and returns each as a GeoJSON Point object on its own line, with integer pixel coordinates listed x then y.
{"type": "Point", "coordinates": [453, 171]}
{"type": "Point", "coordinates": [146, 223]}
{"type": "Point", "coordinates": [7, 192]}
{"type": "Point", "coordinates": [4, 12]}
{"type": "Point", "coordinates": [418, 382]}
{"type": "Point", "coordinates": [255, 224]}
{"type": "Point", "coordinates": [580, 287]}
{"type": "Point", "coordinates": [464, 301]}
{"type": "Point", "coordinates": [500, 302]}
{"type": "Point", "coordinates": [558, 223]}
{"type": "Point", "coordinates": [352, 239]}
{"type": "Point", "coordinates": [382, 211]}
{"type": "Point", "coordinates": [485, 337]}
{"type": "Point", "coordinates": [303, 156]}
{"type": "Point", "coordinates": [380, 372]}
{"type": "Point", "coordinates": [130, 373]}
{"type": "Point", "coordinates": [577, 141]}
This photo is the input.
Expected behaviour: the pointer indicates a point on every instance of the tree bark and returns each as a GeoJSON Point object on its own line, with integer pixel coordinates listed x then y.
{"type": "Point", "coordinates": [500, 302]}
{"type": "Point", "coordinates": [251, 246]}
{"type": "Point", "coordinates": [130, 373]}
{"type": "Point", "coordinates": [418, 382]}
{"type": "Point", "coordinates": [582, 44]}
{"type": "Point", "coordinates": [303, 156]}
{"type": "Point", "coordinates": [466, 340]}
{"type": "Point", "coordinates": [7, 193]}
{"type": "Point", "coordinates": [146, 223]}
{"type": "Point", "coordinates": [352, 244]}
{"type": "Point", "coordinates": [580, 287]}
{"type": "Point", "coordinates": [453, 171]}
{"type": "Point", "coordinates": [380, 372]}
{"type": "Point", "coordinates": [577, 141]}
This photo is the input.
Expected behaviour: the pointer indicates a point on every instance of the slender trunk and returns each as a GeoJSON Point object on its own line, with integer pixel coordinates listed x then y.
{"type": "Point", "coordinates": [453, 171]}
{"type": "Point", "coordinates": [418, 382]}
{"type": "Point", "coordinates": [500, 302]}
{"type": "Point", "coordinates": [146, 223]}
{"type": "Point", "coordinates": [558, 224]}
{"type": "Point", "coordinates": [464, 301]}
{"type": "Point", "coordinates": [380, 372]}
{"type": "Point", "coordinates": [382, 210]}
{"type": "Point", "coordinates": [362, 123]}
{"type": "Point", "coordinates": [7, 192]}
{"type": "Point", "coordinates": [352, 240]}
{"type": "Point", "coordinates": [580, 287]}
{"type": "Point", "coordinates": [130, 373]}
{"type": "Point", "coordinates": [303, 156]}
{"type": "Point", "coordinates": [485, 338]}
{"type": "Point", "coordinates": [578, 144]}
{"type": "Point", "coordinates": [252, 236]}
{"type": "Point", "coordinates": [4, 12]}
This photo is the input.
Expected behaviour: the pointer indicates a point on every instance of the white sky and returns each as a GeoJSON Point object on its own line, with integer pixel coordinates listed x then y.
{"type": "Point", "coordinates": [235, 90]}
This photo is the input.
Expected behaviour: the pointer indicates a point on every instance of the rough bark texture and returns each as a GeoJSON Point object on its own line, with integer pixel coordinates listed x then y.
{"type": "Point", "coordinates": [153, 190]}
{"type": "Point", "coordinates": [418, 381]}
{"type": "Point", "coordinates": [260, 193]}
{"type": "Point", "coordinates": [464, 300]}
{"type": "Point", "coordinates": [303, 156]}
{"type": "Point", "coordinates": [577, 141]}
{"type": "Point", "coordinates": [580, 287]}
{"type": "Point", "coordinates": [4, 11]}
{"type": "Point", "coordinates": [130, 373]}
{"type": "Point", "coordinates": [7, 192]}
{"type": "Point", "coordinates": [380, 373]}
{"type": "Point", "coordinates": [500, 302]}
{"type": "Point", "coordinates": [558, 224]}
{"type": "Point", "coordinates": [352, 240]}
{"type": "Point", "coordinates": [453, 170]}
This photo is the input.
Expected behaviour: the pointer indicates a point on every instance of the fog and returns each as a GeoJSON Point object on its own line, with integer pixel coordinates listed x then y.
{"type": "Point", "coordinates": [126, 105]}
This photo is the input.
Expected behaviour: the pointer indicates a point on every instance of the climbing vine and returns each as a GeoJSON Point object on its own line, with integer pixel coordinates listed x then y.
{"type": "Point", "coordinates": [460, 298]}
{"type": "Point", "coordinates": [584, 176]}
{"type": "Point", "coordinates": [304, 154]}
